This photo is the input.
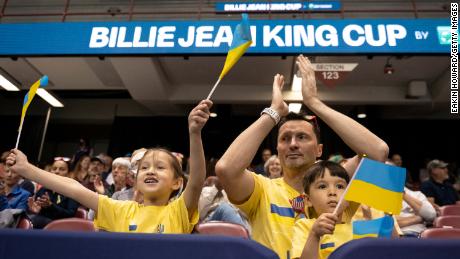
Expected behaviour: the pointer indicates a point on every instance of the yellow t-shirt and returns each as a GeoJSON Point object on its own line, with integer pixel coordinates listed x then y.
{"type": "Point", "coordinates": [328, 243]}
{"type": "Point", "coordinates": [130, 216]}
{"type": "Point", "coordinates": [270, 214]}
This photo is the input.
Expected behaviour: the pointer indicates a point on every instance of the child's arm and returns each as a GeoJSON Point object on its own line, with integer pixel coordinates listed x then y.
{"type": "Point", "coordinates": [63, 185]}
{"type": "Point", "coordinates": [325, 224]}
{"type": "Point", "coordinates": [196, 120]}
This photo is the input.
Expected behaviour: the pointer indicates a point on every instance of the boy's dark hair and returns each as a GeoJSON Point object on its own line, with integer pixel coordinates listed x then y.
{"type": "Point", "coordinates": [302, 116]}
{"type": "Point", "coordinates": [176, 166]}
{"type": "Point", "coordinates": [318, 169]}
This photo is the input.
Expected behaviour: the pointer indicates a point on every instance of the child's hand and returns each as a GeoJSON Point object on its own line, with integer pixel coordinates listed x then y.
{"type": "Point", "coordinates": [199, 116]}
{"type": "Point", "coordinates": [325, 224]}
{"type": "Point", "coordinates": [17, 161]}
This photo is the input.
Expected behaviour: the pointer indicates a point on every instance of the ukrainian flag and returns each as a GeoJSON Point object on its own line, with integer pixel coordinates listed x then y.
{"type": "Point", "coordinates": [378, 185]}
{"type": "Point", "coordinates": [381, 227]}
{"type": "Point", "coordinates": [31, 94]}
{"type": "Point", "coordinates": [240, 43]}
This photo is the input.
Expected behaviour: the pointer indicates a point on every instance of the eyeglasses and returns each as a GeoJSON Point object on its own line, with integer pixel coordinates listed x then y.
{"type": "Point", "coordinates": [61, 158]}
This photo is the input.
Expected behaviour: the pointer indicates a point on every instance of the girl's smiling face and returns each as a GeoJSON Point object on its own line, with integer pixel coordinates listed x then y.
{"type": "Point", "coordinates": [156, 177]}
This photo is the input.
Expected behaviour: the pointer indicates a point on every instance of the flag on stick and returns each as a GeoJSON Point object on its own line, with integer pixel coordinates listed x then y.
{"type": "Point", "coordinates": [377, 185]}
{"type": "Point", "coordinates": [381, 227]}
{"type": "Point", "coordinates": [42, 82]}
{"type": "Point", "coordinates": [240, 43]}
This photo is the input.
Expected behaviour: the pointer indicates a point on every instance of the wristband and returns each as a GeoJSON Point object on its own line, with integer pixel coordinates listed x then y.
{"type": "Point", "coordinates": [272, 113]}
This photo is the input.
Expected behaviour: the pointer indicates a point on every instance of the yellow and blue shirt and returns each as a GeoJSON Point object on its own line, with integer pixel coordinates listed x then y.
{"type": "Point", "coordinates": [328, 243]}
{"type": "Point", "coordinates": [130, 216]}
{"type": "Point", "coordinates": [270, 213]}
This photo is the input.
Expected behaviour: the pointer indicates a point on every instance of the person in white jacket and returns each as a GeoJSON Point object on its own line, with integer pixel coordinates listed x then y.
{"type": "Point", "coordinates": [416, 212]}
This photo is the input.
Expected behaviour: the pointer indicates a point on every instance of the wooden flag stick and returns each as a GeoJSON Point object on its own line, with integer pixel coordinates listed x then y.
{"type": "Point", "coordinates": [346, 189]}
{"type": "Point", "coordinates": [19, 134]}
{"type": "Point", "coordinates": [213, 89]}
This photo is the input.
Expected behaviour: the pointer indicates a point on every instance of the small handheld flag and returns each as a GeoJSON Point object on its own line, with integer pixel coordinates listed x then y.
{"type": "Point", "coordinates": [42, 82]}
{"type": "Point", "coordinates": [240, 43]}
{"type": "Point", "coordinates": [377, 185]}
{"type": "Point", "coordinates": [381, 227]}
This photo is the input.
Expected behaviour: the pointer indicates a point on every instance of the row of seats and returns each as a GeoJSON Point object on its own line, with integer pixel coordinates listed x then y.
{"type": "Point", "coordinates": [79, 224]}
{"type": "Point", "coordinates": [447, 225]}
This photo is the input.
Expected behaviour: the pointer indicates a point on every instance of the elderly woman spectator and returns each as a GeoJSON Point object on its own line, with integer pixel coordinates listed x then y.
{"type": "Point", "coordinates": [272, 167]}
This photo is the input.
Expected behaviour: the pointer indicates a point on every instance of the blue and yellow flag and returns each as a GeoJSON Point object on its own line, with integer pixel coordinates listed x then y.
{"type": "Point", "coordinates": [240, 43]}
{"type": "Point", "coordinates": [381, 227]}
{"type": "Point", "coordinates": [42, 82]}
{"type": "Point", "coordinates": [378, 185]}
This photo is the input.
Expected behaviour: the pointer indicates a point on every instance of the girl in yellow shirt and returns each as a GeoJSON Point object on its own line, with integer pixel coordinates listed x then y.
{"type": "Point", "coordinates": [159, 178]}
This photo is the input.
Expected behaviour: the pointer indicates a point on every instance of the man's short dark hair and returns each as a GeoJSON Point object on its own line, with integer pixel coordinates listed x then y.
{"type": "Point", "coordinates": [302, 117]}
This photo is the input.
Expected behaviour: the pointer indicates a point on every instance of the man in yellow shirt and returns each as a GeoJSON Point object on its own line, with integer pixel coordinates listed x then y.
{"type": "Point", "coordinates": [271, 205]}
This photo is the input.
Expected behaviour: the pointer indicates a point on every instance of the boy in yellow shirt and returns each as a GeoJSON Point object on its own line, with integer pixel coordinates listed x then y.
{"type": "Point", "coordinates": [316, 237]}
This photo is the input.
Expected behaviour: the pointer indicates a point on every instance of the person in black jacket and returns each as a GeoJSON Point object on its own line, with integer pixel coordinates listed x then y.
{"type": "Point", "coordinates": [49, 205]}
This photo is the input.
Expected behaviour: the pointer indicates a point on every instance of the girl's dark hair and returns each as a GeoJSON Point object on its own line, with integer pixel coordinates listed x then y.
{"type": "Point", "coordinates": [318, 169]}
{"type": "Point", "coordinates": [176, 167]}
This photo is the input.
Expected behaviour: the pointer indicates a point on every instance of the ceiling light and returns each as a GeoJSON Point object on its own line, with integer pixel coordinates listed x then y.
{"type": "Point", "coordinates": [213, 114]}
{"type": "Point", "coordinates": [388, 68]}
{"type": "Point", "coordinates": [295, 107]}
{"type": "Point", "coordinates": [296, 83]}
{"type": "Point", "coordinates": [49, 98]}
{"type": "Point", "coordinates": [5, 83]}
{"type": "Point", "coordinates": [362, 115]}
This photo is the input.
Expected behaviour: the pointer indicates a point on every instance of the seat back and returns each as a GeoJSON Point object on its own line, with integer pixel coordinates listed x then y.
{"type": "Point", "coordinates": [24, 223]}
{"type": "Point", "coordinates": [445, 233]}
{"type": "Point", "coordinates": [71, 224]}
{"type": "Point", "coordinates": [447, 221]}
{"type": "Point", "coordinates": [450, 210]}
{"type": "Point", "coordinates": [222, 228]}
{"type": "Point", "coordinates": [81, 213]}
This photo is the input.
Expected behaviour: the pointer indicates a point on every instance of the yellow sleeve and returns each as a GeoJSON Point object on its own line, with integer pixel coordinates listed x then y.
{"type": "Point", "coordinates": [179, 215]}
{"type": "Point", "coordinates": [250, 206]}
{"type": "Point", "coordinates": [109, 212]}
{"type": "Point", "coordinates": [299, 238]}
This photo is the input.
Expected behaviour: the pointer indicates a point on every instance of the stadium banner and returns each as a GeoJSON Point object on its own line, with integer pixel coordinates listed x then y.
{"type": "Point", "coordinates": [347, 36]}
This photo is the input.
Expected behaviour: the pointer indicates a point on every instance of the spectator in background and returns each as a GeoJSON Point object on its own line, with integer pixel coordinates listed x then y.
{"type": "Point", "coordinates": [12, 196]}
{"type": "Point", "coordinates": [266, 154]}
{"type": "Point", "coordinates": [273, 167]}
{"type": "Point", "coordinates": [416, 212]}
{"type": "Point", "coordinates": [214, 205]}
{"type": "Point", "coordinates": [107, 167]}
{"type": "Point", "coordinates": [49, 205]}
{"type": "Point", "coordinates": [84, 148]}
{"type": "Point", "coordinates": [437, 189]}
{"type": "Point", "coordinates": [2, 163]}
{"type": "Point", "coordinates": [80, 173]}
{"type": "Point", "coordinates": [397, 160]}
{"type": "Point", "coordinates": [120, 170]}
{"type": "Point", "coordinates": [96, 165]}
{"type": "Point", "coordinates": [338, 159]}
{"type": "Point", "coordinates": [410, 183]}
{"type": "Point", "coordinates": [130, 193]}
